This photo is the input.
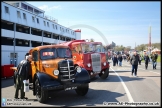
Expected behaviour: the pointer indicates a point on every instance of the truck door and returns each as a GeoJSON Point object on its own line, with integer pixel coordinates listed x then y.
{"type": "Point", "coordinates": [76, 52]}
{"type": "Point", "coordinates": [35, 63]}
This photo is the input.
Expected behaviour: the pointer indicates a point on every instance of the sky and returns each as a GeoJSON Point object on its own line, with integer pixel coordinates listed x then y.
{"type": "Point", "coordinates": [125, 23]}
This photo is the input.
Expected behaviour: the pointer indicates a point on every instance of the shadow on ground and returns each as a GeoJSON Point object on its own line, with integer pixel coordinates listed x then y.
{"type": "Point", "coordinates": [149, 76]}
{"type": "Point", "coordinates": [121, 71]}
{"type": "Point", "coordinates": [7, 82]}
{"type": "Point", "coordinates": [70, 98]}
{"type": "Point", "coordinates": [115, 78]}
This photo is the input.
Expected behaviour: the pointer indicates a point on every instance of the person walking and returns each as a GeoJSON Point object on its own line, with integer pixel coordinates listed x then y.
{"type": "Point", "coordinates": [140, 58]}
{"type": "Point", "coordinates": [147, 60]}
{"type": "Point", "coordinates": [117, 60]}
{"type": "Point", "coordinates": [120, 58]}
{"type": "Point", "coordinates": [154, 57]}
{"type": "Point", "coordinates": [22, 74]}
{"type": "Point", "coordinates": [134, 62]}
{"type": "Point", "coordinates": [114, 60]}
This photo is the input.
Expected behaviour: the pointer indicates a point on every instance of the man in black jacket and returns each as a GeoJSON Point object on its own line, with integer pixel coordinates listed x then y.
{"type": "Point", "coordinates": [120, 59]}
{"type": "Point", "coordinates": [154, 57]}
{"type": "Point", "coordinates": [134, 62]}
{"type": "Point", "coordinates": [23, 74]}
{"type": "Point", "coordinates": [15, 73]}
{"type": "Point", "coordinates": [147, 60]}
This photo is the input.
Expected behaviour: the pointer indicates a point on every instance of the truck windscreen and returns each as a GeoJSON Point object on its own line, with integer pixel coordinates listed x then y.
{"type": "Point", "coordinates": [48, 53]}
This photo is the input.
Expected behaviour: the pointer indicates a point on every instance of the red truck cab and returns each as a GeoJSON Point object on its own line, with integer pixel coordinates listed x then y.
{"type": "Point", "coordinates": [91, 56]}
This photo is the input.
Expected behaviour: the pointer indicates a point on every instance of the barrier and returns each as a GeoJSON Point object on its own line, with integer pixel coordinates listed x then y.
{"type": "Point", "coordinates": [7, 71]}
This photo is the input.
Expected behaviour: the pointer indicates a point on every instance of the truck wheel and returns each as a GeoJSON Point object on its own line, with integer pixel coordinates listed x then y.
{"type": "Point", "coordinates": [105, 74]}
{"type": "Point", "coordinates": [41, 95]}
{"type": "Point", "coordinates": [82, 90]}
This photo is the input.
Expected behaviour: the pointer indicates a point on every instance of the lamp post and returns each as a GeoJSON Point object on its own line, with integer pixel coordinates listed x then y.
{"type": "Point", "coordinates": [14, 55]}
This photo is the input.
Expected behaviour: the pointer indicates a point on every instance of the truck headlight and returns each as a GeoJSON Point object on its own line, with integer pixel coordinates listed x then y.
{"type": "Point", "coordinates": [104, 63]}
{"type": "Point", "coordinates": [78, 69]}
{"type": "Point", "coordinates": [89, 65]}
{"type": "Point", "coordinates": [56, 72]}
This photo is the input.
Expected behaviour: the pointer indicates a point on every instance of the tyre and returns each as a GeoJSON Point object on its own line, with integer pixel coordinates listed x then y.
{"type": "Point", "coordinates": [41, 95]}
{"type": "Point", "coordinates": [105, 74]}
{"type": "Point", "coordinates": [83, 89]}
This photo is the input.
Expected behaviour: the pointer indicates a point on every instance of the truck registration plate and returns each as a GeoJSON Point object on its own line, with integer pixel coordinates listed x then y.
{"type": "Point", "coordinates": [70, 88]}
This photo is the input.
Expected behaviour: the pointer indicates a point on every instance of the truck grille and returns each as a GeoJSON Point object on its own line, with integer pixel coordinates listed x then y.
{"type": "Point", "coordinates": [66, 69]}
{"type": "Point", "coordinates": [96, 62]}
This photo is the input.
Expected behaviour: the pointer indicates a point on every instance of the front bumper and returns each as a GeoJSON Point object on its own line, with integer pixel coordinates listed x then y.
{"type": "Point", "coordinates": [60, 87]}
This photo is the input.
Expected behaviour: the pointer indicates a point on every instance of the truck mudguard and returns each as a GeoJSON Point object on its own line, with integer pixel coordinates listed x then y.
{"type": "Point", "coordinates": [82, 77]}
{"type": "Point", "coordinates": [46, 80]}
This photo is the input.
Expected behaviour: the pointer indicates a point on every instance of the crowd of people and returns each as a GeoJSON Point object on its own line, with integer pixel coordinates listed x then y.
{"type": "Point", "coordinates": [135, 60]}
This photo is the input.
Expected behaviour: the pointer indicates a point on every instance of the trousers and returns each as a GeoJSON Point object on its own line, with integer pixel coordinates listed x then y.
{"type": "Point", "coordinates": [134, 69]}
{"type": "Point", "coordinates": [19, 86]}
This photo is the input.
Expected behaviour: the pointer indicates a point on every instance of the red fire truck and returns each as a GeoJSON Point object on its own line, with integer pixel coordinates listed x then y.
{"type": "Point", "coordinates": [89, 55]}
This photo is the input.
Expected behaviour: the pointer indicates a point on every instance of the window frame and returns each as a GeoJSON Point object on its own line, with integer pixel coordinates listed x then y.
{"type": "Point", "coordinates": [6, 9]}
{"type": "Point", "coordinates": [24, 16]}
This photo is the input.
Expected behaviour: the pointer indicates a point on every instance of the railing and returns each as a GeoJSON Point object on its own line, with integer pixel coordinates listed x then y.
{"type": "Point", "coordinates": [51, 18]}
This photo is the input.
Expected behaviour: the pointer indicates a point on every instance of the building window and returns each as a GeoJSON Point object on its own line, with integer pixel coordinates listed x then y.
{"type": "Point", "coordinates": [48, 24]}
{"type": "Point", "coordinates": [24, 6]}
{"type": "Point", "coordinates": [44, 23]}
{"type": "Point", "coordinates": [17, 4]}
{"type": "Point", "coordinates": [37, 20]}
{"type": "Point", "coordinates": [60, 28]}
{"type": "Point", "coordinates": [56, 27]}
{"type": "Point", "coordinates": [18, 14]}
{"type": "Point", "coordinates": [6, 9]}
{"type": "Point", "coordinates": [33, 18]}
{"type": "Point", "coordinates": [36, 11]}
{"type": "Point", "coordinates": [7, 41]}
{"type": "Point", "coordinates": [30, 9]}
{"type": "Point", "coordinates": [24, 15]}
{"type": "Point", "coordinates": [53, 26]}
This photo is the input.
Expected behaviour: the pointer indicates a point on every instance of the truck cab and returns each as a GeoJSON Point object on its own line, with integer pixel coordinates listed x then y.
{"type": "Point", "coordinates": [91, 56]}
{"type": "Point", "coordinates": [52, 69]}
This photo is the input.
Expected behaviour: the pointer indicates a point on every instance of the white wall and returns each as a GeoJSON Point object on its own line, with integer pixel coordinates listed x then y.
{"type": "Point", "coordinates": [78, 35]}
{"type": "Point", "coordinates": [7, 33]}
{"type": "Point", "coordinates": [6, 50]}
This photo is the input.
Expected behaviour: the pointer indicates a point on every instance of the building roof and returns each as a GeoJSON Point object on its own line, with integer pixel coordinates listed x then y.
{"type": "Point", "coordinates": [9, 2]}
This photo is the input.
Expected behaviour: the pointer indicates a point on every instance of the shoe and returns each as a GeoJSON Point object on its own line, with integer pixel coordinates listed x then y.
{"type": "Point", "coordinates": [24, 98]}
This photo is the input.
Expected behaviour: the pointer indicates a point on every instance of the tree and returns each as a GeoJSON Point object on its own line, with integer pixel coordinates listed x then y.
{"type": "Point", "coordinates": [127, 48]}
{"type": "Point", "coordinates": [91, 40]}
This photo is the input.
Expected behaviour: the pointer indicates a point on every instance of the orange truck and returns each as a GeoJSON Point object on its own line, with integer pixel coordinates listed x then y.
{"type": "Point", "coordinates": [89, 55]}
{"type": "Point", "coordinates": [52, 69]}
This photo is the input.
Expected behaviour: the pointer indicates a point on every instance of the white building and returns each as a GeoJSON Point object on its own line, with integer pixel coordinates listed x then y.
{"type": "Point", "coordinates": [24, 26]}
